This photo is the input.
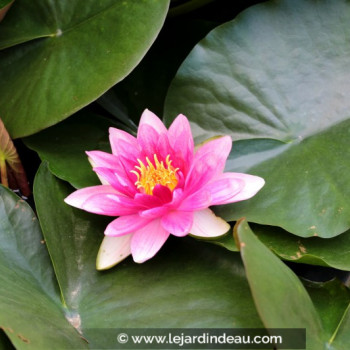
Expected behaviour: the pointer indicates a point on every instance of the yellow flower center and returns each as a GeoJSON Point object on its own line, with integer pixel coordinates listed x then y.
{"type": "Point", "coordinates": [155, 174]}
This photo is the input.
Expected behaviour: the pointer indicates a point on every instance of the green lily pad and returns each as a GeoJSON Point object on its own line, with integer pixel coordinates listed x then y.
{"type": "Point", "coordinates": [323, 308]}
{"type": "Point", "coordinates": [341, 337]}
{"type": "Point", "coordinates": [277, 77]}
{"type": "Point", "coordinates": [70, 53]}
{"type": "Point", "coordinates": [331, 300]}
{"type": "Point", "coordinates": [31, 310]}
{"type": "Point", "coordinates": [188, 284]}
{"type": "Point", "coordinates": [274, 285]}
{"type": "Point", "coordinates": [63, 146]}
{"type": "Point", "coordinates": [333, 252]}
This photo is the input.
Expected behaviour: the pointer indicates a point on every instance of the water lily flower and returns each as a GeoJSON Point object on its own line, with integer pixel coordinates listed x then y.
{"type": "Point", "coordinates": [157, 184]}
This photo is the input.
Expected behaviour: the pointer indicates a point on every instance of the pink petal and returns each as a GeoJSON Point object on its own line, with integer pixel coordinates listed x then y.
{"type": "Point", "coordinates": [178, 223]}
{"type": "Point", "coordinates": [125, 224]}
{"type": "Point", "coordinates": [207, 224]}
{"type": "Point", "coordinates": [208, 163]}
{"type": "Point", "coordinates": [250, 185]}
{"type": "Point", "coordinates": [178, 196]}
{"type": "Point", "coordinates": [154, 213]}
{"type": "Point", "coordinates": [220, 146]}
{"type": "Point", "coordinates": [224, 189]}
{"type": "Point", "coordinates": [100, 159]}
{"type": "Point", "coordinates": [163, 193]}
{"type": "Point", "coordinates": [197, 201]}
{"type": "Point", "coordinates": [126, 148]}
{"type": "Point", "coordinates": [147, 200]}
{"type": "Point", "coordinates": [149, 118]}
{"type": "Point", "coordinates": [147, 138]}
{"type": "Point", "coordinates": [79, 197]}
{"type": "Point", "coordinates": [181, 141]}
{"type": "Point", "coordinates": [164, 149]}
{"type": "Point", "coordinates": [112, 251]}
{"type": "Point", "coordinates": [103, 159]}
{"type": "Point", "coordinates": [103, 200]}
{"type": "Point", "coordinates": [152, 136]}
{"type": "Point", "coordinates": [122, 141]}
{"type": "Point", "coordinates": [147, 241]}
{"type": "Point", "coordinates": [115, 179]}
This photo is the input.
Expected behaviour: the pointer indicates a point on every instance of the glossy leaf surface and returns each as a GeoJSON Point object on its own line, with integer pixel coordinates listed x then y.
{"type": "Point", "coordinates": [31, 312]}
{"type": "Point", "coordinates": [333, 252]}
{"type": "Point", "coordinates": [279, 295]}
{"type": "Point", "coordinates": [70, 54]}
{"type": "Point", "coordinates": [177, 289]}
{"type": "Point", "coordinates": [277, 77]}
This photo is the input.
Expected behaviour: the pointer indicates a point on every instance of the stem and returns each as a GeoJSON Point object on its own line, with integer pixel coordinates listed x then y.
{"type": "Point", "coordinates": [3, 172]}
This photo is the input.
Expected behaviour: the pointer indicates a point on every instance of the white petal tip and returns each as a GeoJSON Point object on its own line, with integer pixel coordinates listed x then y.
{"type": "Point", "coordinates": [139, 261]}
{"type": "Point", "coordinates": [112, 251]}
{"type": "Point", "coordinates": [207, 225]}
{"type": "Point", "coordinates": [254, 186]}
{"type": "Point", "coordinates": [70, 200]}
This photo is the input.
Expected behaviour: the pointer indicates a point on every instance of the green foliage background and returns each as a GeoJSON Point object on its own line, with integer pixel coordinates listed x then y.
{"type": "Point", "coordinates": [273, 75]}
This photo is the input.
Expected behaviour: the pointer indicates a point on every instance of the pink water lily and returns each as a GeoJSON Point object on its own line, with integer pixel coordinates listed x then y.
{"type": "Point", "coordinates": [158, 184]}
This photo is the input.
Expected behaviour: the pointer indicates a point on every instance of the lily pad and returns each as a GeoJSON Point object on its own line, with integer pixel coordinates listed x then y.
{"type": "Point", "coordinates": [273, 284]}
{"type": "Point", "coordinates": [70, 53]}
{"type": "Point", "coordinates": [189, 284]}
{"type": "Point", "coordinates": [341, 336]}
{"type": "Point", "coordinates": [29, 297]}
{"type": "Point", "coordinates": [277, 77]}
{"type": "Point", "coordinates": [333, 252]}
{"type": "Point", "coordinates": [331, 300]}
{"type": "Point", "coordinates": [323, 308]}
{"type": "Point", "coordinates": [179, 288]}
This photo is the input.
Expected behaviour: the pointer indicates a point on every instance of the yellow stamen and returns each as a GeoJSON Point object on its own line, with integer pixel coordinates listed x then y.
{"type": "Point", "coordinates": [155, 174]}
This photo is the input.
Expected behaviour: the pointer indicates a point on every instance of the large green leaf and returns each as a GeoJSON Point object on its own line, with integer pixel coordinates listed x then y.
{"type": "Point", "coordinates": [279, 73]}
{"type": "Point", "coordinates": [280, 297]}
{"type": "Point", "coordinates": [273, 285]}
{"type": "Point", "coordinates": [341, 336]}
{"type": "Point", "coordinates": [31, 311]}
{"type": "Point", "coordinates": [331, 300]}
{"type": "Point", "coordinates": [81, 49]}
{"type": "Point", "coordinates": [63, 146]}
{"type": "Point", "coordinates": [333, 252]}
{"type": "Point", "coordinates": [188, 284]}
